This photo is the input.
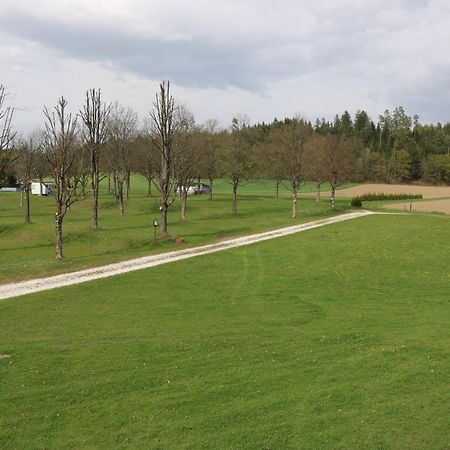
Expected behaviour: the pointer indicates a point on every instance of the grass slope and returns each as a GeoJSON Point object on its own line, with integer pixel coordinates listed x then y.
{"type": "Point", "coordinates": [334, 338]}
{"type": "Point", "coordinates": [28, 250]}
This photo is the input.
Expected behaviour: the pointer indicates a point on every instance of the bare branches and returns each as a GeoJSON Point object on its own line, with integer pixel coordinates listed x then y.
{"type": "Point", "coordinates": [25, 163]}
{"type": "Point", "coordinates": [6, 115]}
{"type": "Point", "coordinates": [95, 116]}
{"type": "Point", "coordinates": [6, 135]}
{"type": "Point", "coordinates": [60, 135]}
{"type": "Point", "coordinates": [60, 130]}
{"type": "Point", "coordinates": [62, 151]}
{"type": "Point", "coordinates": [162, 134]}
{"type": "Point", "coordinates": [162, 117]}
{"type": "Point", "coordinates": [340, 154]}
{"type": "Point", "coordinates": [122, 131]}
{"type": "Point", "coordinates": [291, 140]}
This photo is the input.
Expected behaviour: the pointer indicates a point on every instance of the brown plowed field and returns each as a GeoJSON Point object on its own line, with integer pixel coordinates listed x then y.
{"type": "Point", "coordinates": [429, 206]}
{"type": "Point", "coordinates": [426, 191]}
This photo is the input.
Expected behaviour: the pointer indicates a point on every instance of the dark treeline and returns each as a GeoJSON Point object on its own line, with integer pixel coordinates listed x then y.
{"type": "Point", "coordinates": [104, 142]}
{"type": "Point", "coordinates": [396, 148]}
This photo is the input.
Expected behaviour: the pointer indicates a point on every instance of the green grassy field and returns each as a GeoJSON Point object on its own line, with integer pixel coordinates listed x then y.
{"type": "Point", "coordinates": [28, 250]}
{"type": "Point", "coordinates": [336, 338]}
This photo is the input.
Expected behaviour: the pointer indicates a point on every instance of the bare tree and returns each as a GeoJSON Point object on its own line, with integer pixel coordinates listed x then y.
{"type": "Point", "coordinates": [62, 150]}
{"type": "Point", "coordinates": [6, 134]}
{"type": "Point", "coordinates": [41, 164]}
{"type": "Point", "coordinates": [237, 157]}
{"type": "Point", "coordinates": [316, 170]}
{"type": "Point", "coordinates": [208, 145]}
{"type": "Point", "coordinates": [291, 137]}
{"type": "Point", "coordinates": [186, 155]}
{"type": "Point", "coordinates": [163, 128]}
{"type": "Point", "coordinates": [271, 161]}
{"type": "Point", "coordinates": [147, 161]}
{"type": "Point", "coordinates": [24, 165]}
{"type": "Point", "coordinates": [122, 130]}
{"type": "Point", "coordinates": [340, 160]}
{"type": "Point", "coordinates": [95, 118]}
{"type": "Point", "coordinates": [85, 170]}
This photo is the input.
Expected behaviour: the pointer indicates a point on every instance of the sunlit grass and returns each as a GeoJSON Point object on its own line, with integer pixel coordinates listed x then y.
{"type": "Point", "coordinates": [28, 250]}
{"type": "Point", "coordinates": [336, 338]}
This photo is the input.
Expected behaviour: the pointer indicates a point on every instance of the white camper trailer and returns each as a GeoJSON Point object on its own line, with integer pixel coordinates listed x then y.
{"type": "Point", "coordinates": [38, 188]}
{"type": "Point", "coordinates": [197, 188]}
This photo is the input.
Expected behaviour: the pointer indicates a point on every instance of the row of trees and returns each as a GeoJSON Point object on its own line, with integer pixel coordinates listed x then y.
{"type": "Point", "coordinates": [398, 147]}
{"type": "Point", "coordinates": [172, 152]}
{"type": "Point", "coordinates": [102, 141]}
{"type": "Point", "coordinates": [6, 137]}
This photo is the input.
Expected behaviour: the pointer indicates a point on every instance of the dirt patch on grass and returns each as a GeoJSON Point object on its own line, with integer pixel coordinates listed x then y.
{"type": "Point", "coordinates": [426, 191]}
{"type": "Point", "coordinates": [442, 206]}
{"type": "Point", "coordinates": [4, 356]}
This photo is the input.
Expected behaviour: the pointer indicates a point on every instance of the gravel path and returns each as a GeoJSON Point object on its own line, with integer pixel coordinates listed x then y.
{"type": "Point", "coordinates": [67, 279]}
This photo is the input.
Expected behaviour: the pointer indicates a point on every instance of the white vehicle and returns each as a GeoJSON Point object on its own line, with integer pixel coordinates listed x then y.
{"type": "Point", "coordinates": [38, 188]}
{"type": "Point", "coordinates": [195, 189]}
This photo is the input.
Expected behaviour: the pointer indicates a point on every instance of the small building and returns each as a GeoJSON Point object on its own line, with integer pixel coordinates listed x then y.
{"type": "Point", "coordinates": [44, 188]}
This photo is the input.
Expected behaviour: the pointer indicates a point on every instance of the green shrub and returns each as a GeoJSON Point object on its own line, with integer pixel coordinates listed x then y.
{"type": "Point", "coordinates": [380, 197]}
{"type": "Point", "coordinates": [356, 202]}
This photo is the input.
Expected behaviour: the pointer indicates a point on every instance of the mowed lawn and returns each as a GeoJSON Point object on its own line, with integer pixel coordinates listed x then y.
{"type": "Point", "coordinates": [336, 338]}
{"type": "Point", "coordinates": [28, 250]}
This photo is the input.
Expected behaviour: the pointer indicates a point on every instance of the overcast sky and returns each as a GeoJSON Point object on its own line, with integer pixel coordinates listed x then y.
{"type": "Point", "coordinates": [262, 58]}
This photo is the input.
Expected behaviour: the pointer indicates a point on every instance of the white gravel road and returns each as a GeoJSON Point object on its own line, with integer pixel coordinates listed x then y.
{"type": "Point", "coordinates": [67, 279]}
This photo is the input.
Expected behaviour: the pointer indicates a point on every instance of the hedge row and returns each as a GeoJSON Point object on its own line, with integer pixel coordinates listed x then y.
{"type": "Point", "coordinates": [357, 201]}
{"type": "Point", "coordinates": [379, 197]}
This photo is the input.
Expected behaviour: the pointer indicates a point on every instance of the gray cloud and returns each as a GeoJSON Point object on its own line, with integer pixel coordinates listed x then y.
{"type": "Point", "coordinates": [187, 62]}
{"type": "Point", "coordinates": [255, 56]}
{"type": "Point", "coordinates": [197, 61]}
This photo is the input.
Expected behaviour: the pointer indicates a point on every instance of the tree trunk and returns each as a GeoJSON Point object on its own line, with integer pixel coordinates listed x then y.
{"type": "Point", "coordinates": [94, 217]}
{"type": "Point", "coordinates": [163, 221]}
{"type": "Point", "coordinates": [121, 204]}
{"type": "Point", "coordinates": [149, 190]}
{"type": "Point", "coordinates": [183, 204]}
{"type": "Point", "coordinates": [109, 183]}
{"type": "Point", "coordinates": [294, 204]}
{"type": "Point", "coordinates": [235, 186]}
{"type": "Point", "coordinates": [27, 205]}
{"type": "Point", "coordinates": [116, 187]}
{"type": "Point", "coordinates": [59, 239]}
{"type": "Point", "coordinates": [83, 187]}
{"type": "Point", "coordinates": [277, 189]}
{"type": "Point", "coordinates": [128, 181]}
{"type": "Point", "coordinates": [333, 196]}
{"type": "Point", "coordinates": [95, 181]}
{"type": "Point", "coordinates": [21, 197]}
{"type": "Point", "coordinates": [163, 118]}
{"type": "Point", "coordinates": [165, 187]}
{"type": "Point", "coordinates": [318, 184]}
{"type": "Point", "coordinates": [210, 195]}
{"type": "Point", "coordinates": [41, 181]}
